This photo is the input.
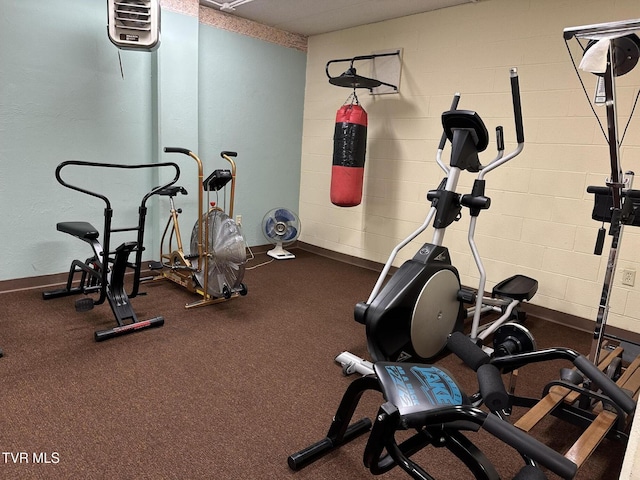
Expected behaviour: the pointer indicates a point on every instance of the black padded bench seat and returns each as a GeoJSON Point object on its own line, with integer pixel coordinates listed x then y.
{"type": "Point", "coordinates": [83, 230]}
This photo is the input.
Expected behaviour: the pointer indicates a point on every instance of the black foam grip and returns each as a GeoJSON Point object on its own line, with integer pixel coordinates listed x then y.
{"type": "Point", "coordinates": [492, 389]}
{"type": "Point", "coordinates": [177, 150]}
{"type": "Point", "coordinates": [500, 138]}
{"type": "Point", "coordinates": [608, 386]}
{"type": "Point", "coordinates": [600, 241]}
{"type": "Point", "coordinates": [529, 472]}
{"type": "Point", "coordinates": [228, 153]}
{"type": "Point", "coordinates": [471, 354]}
{"type": "Point", "coordinates": [598, 190]}
{"type": "Point", "coordinates": [529, 446]}
{"type": "Point", "coordinates": [517, 107]}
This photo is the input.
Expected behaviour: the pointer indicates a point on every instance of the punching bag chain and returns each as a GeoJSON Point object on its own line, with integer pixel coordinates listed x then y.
{"type": "Point", "coordinates": [352, 99]}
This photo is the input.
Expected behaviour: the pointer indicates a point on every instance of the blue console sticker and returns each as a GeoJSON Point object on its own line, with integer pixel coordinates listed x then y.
{"type": "Point", "coordinates": [404, 388]}
{"type": "Point", "coordinates": [437, 386]}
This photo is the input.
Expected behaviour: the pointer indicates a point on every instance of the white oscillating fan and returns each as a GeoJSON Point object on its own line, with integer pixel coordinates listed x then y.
{"type": "Point", "coordinates": [281, 227]}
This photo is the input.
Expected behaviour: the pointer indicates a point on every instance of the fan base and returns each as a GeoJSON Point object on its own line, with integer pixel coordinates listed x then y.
{"type": "Point", "coordinates": [280, 253]}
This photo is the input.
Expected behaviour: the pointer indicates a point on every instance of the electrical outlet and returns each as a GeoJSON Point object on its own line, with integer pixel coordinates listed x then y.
{"type": "Point", "coordinates": [628, 277]}
{"type": "Point", "coordinates": [239, 220]}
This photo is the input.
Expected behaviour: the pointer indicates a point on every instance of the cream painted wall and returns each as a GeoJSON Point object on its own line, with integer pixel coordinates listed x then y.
{"type": "Point", "coordinates": [540, 221]}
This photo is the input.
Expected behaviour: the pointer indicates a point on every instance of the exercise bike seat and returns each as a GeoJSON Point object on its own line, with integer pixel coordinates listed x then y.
{"type": "Point", "coordinates": [518, 287]}
{"type": "Point", "coordinates": [171, 191]}
{"type": "Point", "coordinates": [218, 179]}
{"type": "Point", "coordinates": [82, 230]}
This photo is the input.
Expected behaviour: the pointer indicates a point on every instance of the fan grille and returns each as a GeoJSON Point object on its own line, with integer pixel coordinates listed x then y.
{"type": "Point", "coordinates": [133, 14]}
{"type": "Point", "coordinates": [281, 226]}
{"type": "Point", "coordinates": [227, 253]}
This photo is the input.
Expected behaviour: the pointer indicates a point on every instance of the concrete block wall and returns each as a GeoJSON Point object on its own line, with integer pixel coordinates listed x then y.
{"type": "Point", "coordinates": [540, 220]}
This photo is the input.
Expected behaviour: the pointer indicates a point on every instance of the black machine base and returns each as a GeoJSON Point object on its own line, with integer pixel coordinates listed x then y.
{"type": "Point", "coordinates": [426, 399]}
{"type": "Point", "coordinates": [395, 318]}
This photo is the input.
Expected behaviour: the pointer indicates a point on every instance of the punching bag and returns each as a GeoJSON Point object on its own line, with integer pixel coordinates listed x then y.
{"type": "Point", "coordinates": [349, 145]}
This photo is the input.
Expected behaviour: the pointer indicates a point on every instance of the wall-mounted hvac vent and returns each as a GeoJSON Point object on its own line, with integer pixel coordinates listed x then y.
{"type": "Point", "coordinates": [134, 24]}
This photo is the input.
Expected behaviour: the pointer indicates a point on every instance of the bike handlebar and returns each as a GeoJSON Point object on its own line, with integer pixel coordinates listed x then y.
{"type": "Point", "coordinates": [186, 151]}
{"type": "Point", "coordinates": [80, 163]}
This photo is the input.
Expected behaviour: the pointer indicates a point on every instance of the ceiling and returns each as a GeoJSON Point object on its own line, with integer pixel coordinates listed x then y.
{"type": "Point", "coordinates": [313, 17]}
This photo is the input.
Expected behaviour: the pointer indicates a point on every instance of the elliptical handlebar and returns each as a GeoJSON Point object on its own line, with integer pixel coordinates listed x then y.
{"type": "Point", "coordinates": [443, 138]}
{"type": "Point", "coordinates": [517, 107]}
{"type": "Point", "coordinates": [454, 106]}
{"type": "Point", "coordinates": [500, 138]}
{"type": "Point", "coordinates": [519, 125]}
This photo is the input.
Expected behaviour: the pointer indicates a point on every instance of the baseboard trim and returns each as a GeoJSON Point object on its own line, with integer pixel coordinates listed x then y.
{"type": "Point", "coordinates": [57, 279]}
{"type": "Point", "coordinates": [568, 320]}
{"type": "Point", "coordinates": [30, 283]}
{"type": "Point", "coordinates": [342, 257]}
{"type": "Point", "coordinates": [572, 321]}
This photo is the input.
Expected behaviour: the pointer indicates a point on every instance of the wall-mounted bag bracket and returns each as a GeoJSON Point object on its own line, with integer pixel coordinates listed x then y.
{"type": "Point", "coordinates": [351, 79]}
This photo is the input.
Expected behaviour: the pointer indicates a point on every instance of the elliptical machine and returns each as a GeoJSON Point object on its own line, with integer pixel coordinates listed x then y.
{"type": "Point", "coordinates": [410, 318]}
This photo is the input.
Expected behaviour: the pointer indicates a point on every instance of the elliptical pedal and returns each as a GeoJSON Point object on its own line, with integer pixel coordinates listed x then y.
{"type": "Point", "coordinates": [517, 287]}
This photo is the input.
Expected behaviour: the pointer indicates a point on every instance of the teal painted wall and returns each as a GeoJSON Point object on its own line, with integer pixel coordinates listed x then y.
{"type": "Point", "coordinates": [251, 101]}
{"type": "Point", "coordinates": [62, 97]}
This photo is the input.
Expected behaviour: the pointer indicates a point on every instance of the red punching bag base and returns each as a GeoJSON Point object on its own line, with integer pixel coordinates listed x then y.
{"type": "Point", "coordinates": [346, 186]}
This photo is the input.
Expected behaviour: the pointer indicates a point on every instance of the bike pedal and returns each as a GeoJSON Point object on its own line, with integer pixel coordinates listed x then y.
{"type": "Point", "coordinates": [84, 304]}
{"type": "Point", "coordinates": [153, 265]}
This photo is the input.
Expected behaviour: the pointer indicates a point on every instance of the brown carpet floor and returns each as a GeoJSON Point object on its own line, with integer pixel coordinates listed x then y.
{"type": "Point", "coordinates": [226, 391]}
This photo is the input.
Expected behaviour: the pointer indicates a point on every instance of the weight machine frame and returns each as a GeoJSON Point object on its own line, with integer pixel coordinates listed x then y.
{"type": "Point", "coordinates": [617, 181]}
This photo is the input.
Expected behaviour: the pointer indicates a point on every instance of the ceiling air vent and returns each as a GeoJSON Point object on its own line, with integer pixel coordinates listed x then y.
{"type": "Point", "coordinates": [134, 24]}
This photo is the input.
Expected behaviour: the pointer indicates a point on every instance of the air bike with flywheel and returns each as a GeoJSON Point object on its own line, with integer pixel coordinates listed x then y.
{"type": "Point", "coordinates": [214, 266]}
